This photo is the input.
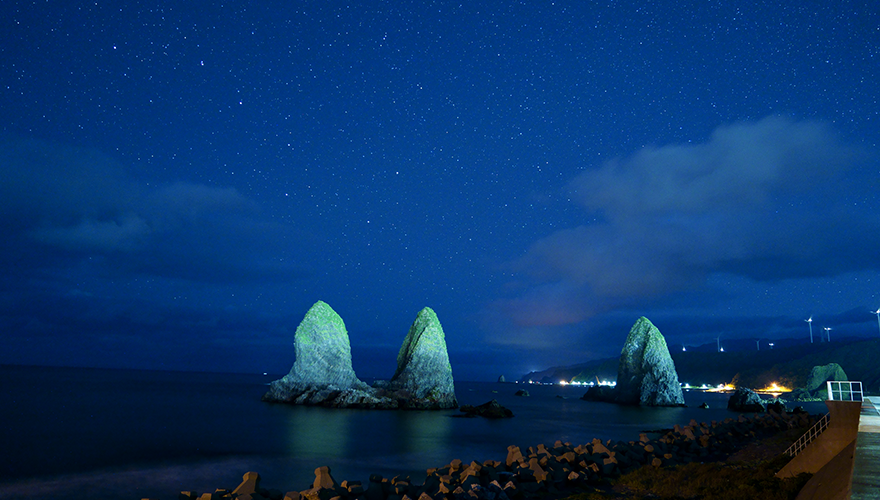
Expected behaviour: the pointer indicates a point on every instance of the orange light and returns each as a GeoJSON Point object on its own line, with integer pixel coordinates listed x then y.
{"type": "Point", "coordinates": [774, 388]}
{"type": "Point", "coordinates": [722, 388]}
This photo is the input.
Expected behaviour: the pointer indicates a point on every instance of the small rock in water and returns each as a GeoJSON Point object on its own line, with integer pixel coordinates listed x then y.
{"type": "Point", "coordinates": [492, 409]}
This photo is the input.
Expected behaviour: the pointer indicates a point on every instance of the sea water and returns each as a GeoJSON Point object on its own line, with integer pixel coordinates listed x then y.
{"type": "Point", "coordinates": [74, 433]}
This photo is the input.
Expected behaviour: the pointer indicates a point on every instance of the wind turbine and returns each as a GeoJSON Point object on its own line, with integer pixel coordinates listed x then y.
{"type": "Point", "coordinates": [828, 333]}
{"type": "Point", "coordinates": [877, 312]}
{"type": "Point", "coordinates": [810, 322]}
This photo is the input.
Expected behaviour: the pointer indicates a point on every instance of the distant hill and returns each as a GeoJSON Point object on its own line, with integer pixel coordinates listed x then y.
{"type": "Point", "coordinates": [605, 369]}
{"type": "Point", "coordinates": [788, 365]}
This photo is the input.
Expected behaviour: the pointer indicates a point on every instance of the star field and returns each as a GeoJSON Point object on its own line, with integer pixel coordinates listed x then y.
{"type": "Point", "coordinates": [180, 183]}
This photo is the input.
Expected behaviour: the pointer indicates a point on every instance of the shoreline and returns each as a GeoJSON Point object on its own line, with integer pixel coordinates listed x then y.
{"type": "Point", "coordinates": [541, 471]}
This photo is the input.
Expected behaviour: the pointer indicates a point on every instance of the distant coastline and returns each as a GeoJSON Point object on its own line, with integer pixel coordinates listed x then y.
{"type": "Point", "coordinates": [752, 368]}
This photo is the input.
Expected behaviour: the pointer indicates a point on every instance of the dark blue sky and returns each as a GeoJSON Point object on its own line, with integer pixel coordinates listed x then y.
{"type": "Point", "coordinates": [180, 182]}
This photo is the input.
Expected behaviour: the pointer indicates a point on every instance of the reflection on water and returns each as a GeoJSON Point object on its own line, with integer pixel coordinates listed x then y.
{"type": "Point", "coordinates": [317, 432]}
{"type": "Point", "coordinates": [359, 442]}
{"type": "Point", "coordinates": [420, 431]}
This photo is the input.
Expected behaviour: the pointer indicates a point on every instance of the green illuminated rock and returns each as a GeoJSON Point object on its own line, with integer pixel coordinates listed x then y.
{"type": "Point", "coordinates": [819, 375]}
{"type": "Point", "coordinates": [423, 379]}
{"type": "Point", "coordinates": [322, 369]}
{"type": "Point", "coordinates": [646, 374]}
{"type": "Point", "coordinates": [322, 374]}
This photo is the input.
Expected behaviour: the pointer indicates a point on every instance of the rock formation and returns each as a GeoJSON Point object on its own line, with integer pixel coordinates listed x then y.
{"type": "Point", "coordinates": [776, 406]}
{"type": "Point", "coordinates": [423, 379]}
{"type": "Point", "coordinates": [322, 374]}
{"type": "Point", "coordinates": [491, 410]}
{"type": "Point", "coordinates": [646, 375]}
{"type": "Point", "coordinates": [322, 370]}
{"type": "Point", "coordinates": [816, 389]}
{"type": "Point", "coordinates": [599, 393]}
{"type": "Point", "coordinates": [745, 400]}
{"type": "Point", "coordinates": [819, 375]}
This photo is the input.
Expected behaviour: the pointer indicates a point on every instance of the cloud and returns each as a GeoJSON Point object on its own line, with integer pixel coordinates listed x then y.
{"type": "Point", "coordinates": [125, 233]}
{"type": "Point", "coordinates": [741, 164]}
{"type": "Point", "coordinates": [60, 205]}
{"type": "Point", "coordinates": [120, 271]}
{"type": "Point", "coordinates": [769, 200]}
{"type": "Point", "coordinates": [42, 183]}
{"type": "Point", "coordinates": [181, 203]}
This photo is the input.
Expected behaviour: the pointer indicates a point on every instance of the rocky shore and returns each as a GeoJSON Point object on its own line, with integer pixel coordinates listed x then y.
{"type": "Point", "coordinates": [556, 471]}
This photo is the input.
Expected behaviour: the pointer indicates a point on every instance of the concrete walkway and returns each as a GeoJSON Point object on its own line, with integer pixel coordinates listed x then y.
{"type": "Point", "coordinates": [866, 461]}
{"type": "Point", "coordinates": [854, 472]}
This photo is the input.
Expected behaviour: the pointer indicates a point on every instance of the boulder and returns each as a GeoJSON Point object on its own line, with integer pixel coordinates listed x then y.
{"type": "Point", "coordinates": [745, 400]}
{"type": "Point", "coordinates": [522, 392]}
{"type": "Point", "coordinates": [646, 374]}
{"type": "Point", "coordinates": [492, 409]}
{"type": "Point", "coordinates": [323, 479]}
{"type": "Point", "coordinates": [777, 406]}
{"type": "Point", "coordinates": [502, 380]}
{"type": "Point", "coordinates": [249, 486]}
{"type": "Point", "coordinates": [423, 379]}
{"type": "Point", "coordinates": [602, 393]}
{"type": "Point", "coordinates": [819, 375]}
{"type": "Point", "coordinates": [322, 369]}
{"type": "Point", "coordinates": [801, 394]}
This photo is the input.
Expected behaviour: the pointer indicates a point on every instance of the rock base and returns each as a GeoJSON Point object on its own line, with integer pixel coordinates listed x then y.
{"type": "Point", "coordinates": [362, 397]}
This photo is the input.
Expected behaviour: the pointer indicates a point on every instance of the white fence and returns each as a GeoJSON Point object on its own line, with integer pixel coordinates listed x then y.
{"type": "Point", "coordinates": [844, 391]}
{"type": "Point", "coordinates": [837, 391]}
{"type": "Point", "coordinates": [808, 436]}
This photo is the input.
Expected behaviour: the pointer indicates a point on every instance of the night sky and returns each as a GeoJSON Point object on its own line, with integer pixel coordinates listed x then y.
{"type": "Point", "coordinates": [181, 181]}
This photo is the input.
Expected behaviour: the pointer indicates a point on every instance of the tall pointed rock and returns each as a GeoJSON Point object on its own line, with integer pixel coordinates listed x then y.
{"type": "Point", "coordinates": [646, 374]}
{"type": "Point", "coordinates": [323, 360]}
{"type": "Point", "coordinates": [423, 369]}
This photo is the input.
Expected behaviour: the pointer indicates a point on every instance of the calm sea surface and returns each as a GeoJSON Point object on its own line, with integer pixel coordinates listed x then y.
{"type": "Point", "coordinates": [71, 433]}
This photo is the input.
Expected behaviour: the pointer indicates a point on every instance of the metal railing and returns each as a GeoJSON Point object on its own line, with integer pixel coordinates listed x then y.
{"type": "Point", "coordinates": [808, 436]}
{"type": "Point", "coordinates": [837, 391]}
{"type": "Point", "coordinates": [844, 391]}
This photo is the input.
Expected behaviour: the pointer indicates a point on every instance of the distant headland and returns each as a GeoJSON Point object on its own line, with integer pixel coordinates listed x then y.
{"type": "Point", "coordinates": [787, 366]}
